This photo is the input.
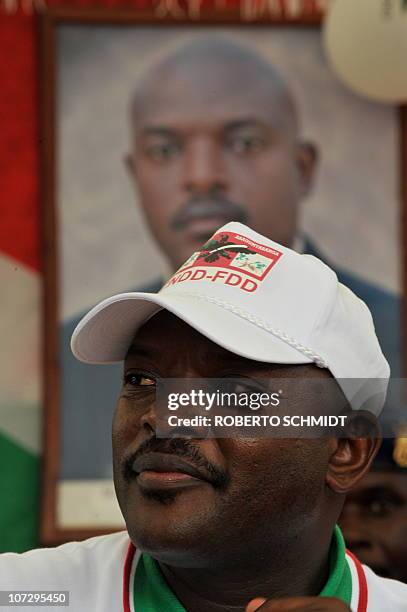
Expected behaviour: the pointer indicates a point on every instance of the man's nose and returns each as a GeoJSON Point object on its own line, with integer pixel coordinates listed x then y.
{"type": "Point", "coordinates": [148, 420]}
{"type": "Point", "coordinates": [204, 168]}
{"type": "Point", "coordinates": [352, 523]}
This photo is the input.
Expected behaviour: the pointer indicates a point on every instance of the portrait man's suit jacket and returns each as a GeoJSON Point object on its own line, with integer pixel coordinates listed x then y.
{"type": "Point", "coordinates": [89, 393]}
{"type": "Point", "coordinates": [384, 306]}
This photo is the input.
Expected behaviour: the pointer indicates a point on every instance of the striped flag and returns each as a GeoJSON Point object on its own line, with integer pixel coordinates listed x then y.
{"type": "Point", "coordinates": [20, 283]}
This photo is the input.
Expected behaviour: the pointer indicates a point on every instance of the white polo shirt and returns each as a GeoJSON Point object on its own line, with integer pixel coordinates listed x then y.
{"type": "Point", "coordinates": [106, 574]}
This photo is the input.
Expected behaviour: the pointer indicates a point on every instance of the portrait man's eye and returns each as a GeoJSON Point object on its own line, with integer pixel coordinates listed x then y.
{"type": "Point", "coordinates": [246, 143]}
{"type": "Point", "coordinates": [162, 150]}
{"type": "Point", "coordinates": [384, 505]}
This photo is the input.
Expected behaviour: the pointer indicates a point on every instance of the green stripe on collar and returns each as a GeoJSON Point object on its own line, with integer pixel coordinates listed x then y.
{"type": "Point", "coordinates": [151, 591]}
{"type": "Point", "coordinates": [152, 594]}
{"type": "Point", "coordinates": [340, 580]}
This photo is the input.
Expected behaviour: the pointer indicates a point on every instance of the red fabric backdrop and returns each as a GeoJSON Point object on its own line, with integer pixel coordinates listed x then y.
{"type": "Point", "coordinates": [19, 150]}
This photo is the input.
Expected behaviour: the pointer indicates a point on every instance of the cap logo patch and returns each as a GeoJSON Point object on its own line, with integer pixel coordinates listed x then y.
{"type": "Point", "coordinates": [226, 252]}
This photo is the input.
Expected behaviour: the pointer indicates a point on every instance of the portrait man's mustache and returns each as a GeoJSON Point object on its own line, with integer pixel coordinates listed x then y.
{"type": "Point", "coordinates": [207, 207]}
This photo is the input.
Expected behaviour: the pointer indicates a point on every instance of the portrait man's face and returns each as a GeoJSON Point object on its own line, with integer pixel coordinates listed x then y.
{"type": "Point", "coordinates": [282, 489]}
{"type": "Point", "coordinates": [374, 522]}
{"type": "Point", "coordinates": [216, 140]}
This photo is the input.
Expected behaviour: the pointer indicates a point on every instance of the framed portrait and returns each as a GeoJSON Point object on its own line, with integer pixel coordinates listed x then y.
{"type": "Point", "coordinates": [97, 241]}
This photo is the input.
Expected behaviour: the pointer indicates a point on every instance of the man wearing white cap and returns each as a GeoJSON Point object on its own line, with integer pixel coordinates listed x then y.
{"type": "Point", "coordinates": [228, 524]}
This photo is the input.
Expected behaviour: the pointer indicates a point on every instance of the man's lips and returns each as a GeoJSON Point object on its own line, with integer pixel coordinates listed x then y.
{"type": "Point", "coordinates": [159, 470]}
{"type": "Point", "coordinates": [382, 571]}
{"type": "Point", "coordinates": [372, 557]}
{"type": "Point", "coordinates": [201, 227]}
{"type": "Point", "coordinates": [204, 216]}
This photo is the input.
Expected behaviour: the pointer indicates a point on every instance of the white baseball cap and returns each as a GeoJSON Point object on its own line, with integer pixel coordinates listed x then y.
{"type": "Point", "coordinates": [258, 299]}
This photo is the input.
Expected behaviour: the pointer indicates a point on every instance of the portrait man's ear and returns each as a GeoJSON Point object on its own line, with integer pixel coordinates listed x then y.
{"type": "Point", "coordinates": [307, 163]}
{"type": "Point", "coordinates": [128, 160]}
{"type": "Point", "coordinates": [352, 456]}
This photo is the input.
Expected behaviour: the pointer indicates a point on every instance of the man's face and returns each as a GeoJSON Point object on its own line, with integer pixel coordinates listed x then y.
{"type": "Point", "coordinates": [213, 143]}
{"type": "Point", "coordinates": [273, 487]}
{"type": "Point", "coordinates": [374, 522]}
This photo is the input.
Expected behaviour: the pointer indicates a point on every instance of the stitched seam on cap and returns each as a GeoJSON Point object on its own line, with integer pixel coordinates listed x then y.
{"type": "Point", "coordinates": [243, 314]}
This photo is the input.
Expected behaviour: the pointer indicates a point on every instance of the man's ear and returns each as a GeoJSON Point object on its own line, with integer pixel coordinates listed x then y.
{"type": "Point", "coordinates": [307, 162]}
{"type": "Point", "coordinates": [352, 455]}
{"type": "Point", "coordinates": [129, 163]}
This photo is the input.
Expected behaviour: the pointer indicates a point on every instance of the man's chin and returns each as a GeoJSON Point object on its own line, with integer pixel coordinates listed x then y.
{"type": "Point", "coordinates": [377, 565]}
{"type": "Point", "coordinates": [188, 245]}
{"type": "Point", "coordinates": [163, 497]}
{"type": "Point", "coordinates": [380, 570]}
{"type": "Point", "coordinates": [177, 544]}
{"type": "Point", "coordinates": [194, 236]}
{"type": "Point", "coordinates": [167, 505]}
{"type": "Point", "coordinates": [169, 520]}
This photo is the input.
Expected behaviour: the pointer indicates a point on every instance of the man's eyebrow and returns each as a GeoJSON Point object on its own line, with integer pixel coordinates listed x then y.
{"type": "Point", "coordinates": [150, 130]}
{"type": "Point", "coordinates": [248, 122]}
{"type": "Point", "coordinates": [138, 350]}
{"type": "Point", "coordinates": [381, 490]}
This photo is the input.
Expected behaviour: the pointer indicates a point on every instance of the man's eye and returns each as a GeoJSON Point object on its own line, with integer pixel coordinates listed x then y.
{"type": "Point", "coordinates": [162, 151]}
{"type": "Point", "coordinates": [138, 380]}
{"type": "Point", "coordinates": [244, 388]}
{"type": "Point", "coordinates": [381, 508]}
{"type": "Point", "coordinates": [247, 143]}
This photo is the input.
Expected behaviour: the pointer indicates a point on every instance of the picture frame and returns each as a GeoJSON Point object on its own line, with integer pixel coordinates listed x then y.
{"type": "Point", "coordinates": [62, 497]}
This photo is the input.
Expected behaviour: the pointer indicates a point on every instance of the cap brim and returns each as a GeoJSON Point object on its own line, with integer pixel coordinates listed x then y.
{"type": "Point", "coordinates": [105, 334]}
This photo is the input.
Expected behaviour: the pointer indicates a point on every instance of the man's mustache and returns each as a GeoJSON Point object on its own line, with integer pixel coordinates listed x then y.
{"type": "Point", "coordinates": [180, 447]}
{"type": "Point", "coordinates": [210, 205]}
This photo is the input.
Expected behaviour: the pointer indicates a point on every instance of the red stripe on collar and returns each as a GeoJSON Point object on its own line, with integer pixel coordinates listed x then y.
{"type": "Point", "coordinates": [362, 603]}
{"type": "Point", "coordinates": [126, 577]}
{"type": "Point", "coordinates": [363, 595]}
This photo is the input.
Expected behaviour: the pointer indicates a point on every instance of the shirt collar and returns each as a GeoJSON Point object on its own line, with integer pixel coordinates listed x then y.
{"type": "Point", "coordinates": [151, 592]}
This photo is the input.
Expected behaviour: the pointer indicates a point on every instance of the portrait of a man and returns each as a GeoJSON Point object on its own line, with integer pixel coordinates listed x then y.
{"type": "Point", "coordinates": [196, 149]}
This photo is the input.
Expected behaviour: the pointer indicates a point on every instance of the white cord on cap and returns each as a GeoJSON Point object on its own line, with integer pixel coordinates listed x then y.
{"type": "Point", "coordinates": [243, 314]}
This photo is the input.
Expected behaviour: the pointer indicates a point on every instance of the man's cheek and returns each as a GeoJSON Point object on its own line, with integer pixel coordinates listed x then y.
{"type": "Point", "coordinates": [276, 468]}
{"type": "Point", "coordinates": [398, 537]}
{"type": "Point", "coordinates": [156, 180]}
{"type": "Point", "coordinates": [159, 210]}
{"type": "Point", "coordinates": [126, 420]}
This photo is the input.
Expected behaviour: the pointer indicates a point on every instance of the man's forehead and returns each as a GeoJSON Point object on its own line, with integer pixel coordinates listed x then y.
{"type": "Point", "coordinates": [172, 122]}
{"type": "Point", "coordinates": [203, 84]}
{"type": "Point", "coordinates": [165, 327]}
{"type": "Point", "coordinates": [376, 481]}
{"type": "Point", "coordinates": [171, 106]}
{"type": "Point", "coordinates": [165, 330]}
